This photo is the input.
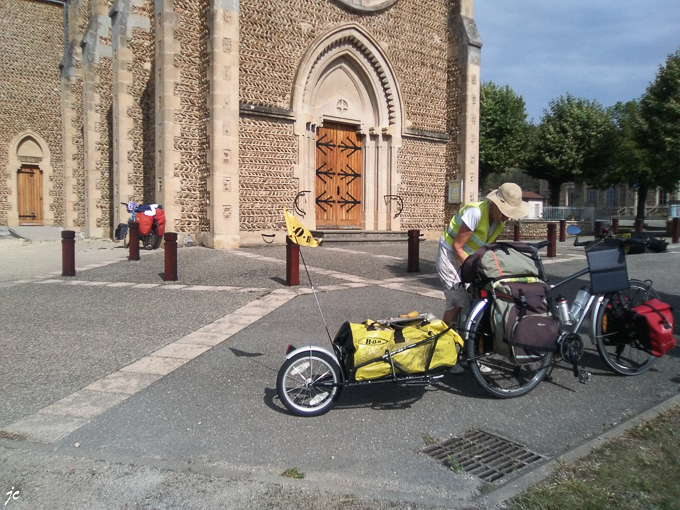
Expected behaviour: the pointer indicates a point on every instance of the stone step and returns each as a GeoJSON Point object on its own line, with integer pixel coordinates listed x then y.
{"type": "Point", "coordinates": [359, 236]}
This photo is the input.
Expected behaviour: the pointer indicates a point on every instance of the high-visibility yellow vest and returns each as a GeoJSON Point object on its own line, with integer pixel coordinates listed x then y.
{"type": "Point", "coordinates": [480, 236]}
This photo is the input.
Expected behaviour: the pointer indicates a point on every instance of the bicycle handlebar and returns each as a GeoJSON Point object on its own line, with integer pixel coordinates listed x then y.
{"type": "Point", "coordinates": [540, 244]}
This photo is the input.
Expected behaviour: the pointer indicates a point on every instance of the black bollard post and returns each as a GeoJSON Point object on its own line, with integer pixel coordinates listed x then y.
{"type": "Point", "coordinates": [563, 230]}
{"type": "Point", "coordinates": [639, 225]}
{"type": "Point", "coordinates": [675, 230]}
{"type": "Point", "coordinates": [292, 263]}
{"type": "Point", "coordinates": [552, 237]}
{"type": "Point", "coordinates": [413, 265]}
{"type": "Point", "coordinates": [170, 257]}
{"type": "Point", "coordinates": [68, 253]}
{"type": "Point", "coordinates": [615, 225]}
{"type": "Point", "coordinates": [134, 241]}
{"type": "Point", "coordinates": [517, 235]}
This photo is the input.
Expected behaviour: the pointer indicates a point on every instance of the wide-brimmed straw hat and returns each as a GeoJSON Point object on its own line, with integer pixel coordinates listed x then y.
{"type": "Point", "coordinates": [508, 198]}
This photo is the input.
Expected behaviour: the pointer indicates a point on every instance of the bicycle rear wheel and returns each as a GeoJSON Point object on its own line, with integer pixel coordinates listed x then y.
{"type": "Point", "coordinates": [498, 375]}
{"type": "Point", "coordinates": [622, 354]}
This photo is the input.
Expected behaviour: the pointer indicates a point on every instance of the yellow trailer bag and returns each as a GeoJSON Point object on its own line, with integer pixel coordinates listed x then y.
{"type": "Point", "coordinates": [369, 349]}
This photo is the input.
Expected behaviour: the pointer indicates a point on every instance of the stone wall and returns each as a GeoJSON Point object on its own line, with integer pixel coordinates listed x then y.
{"type": "Point", "coordinates": [104, 145]}
{"type": "Point", "coordinates": [413, 33]}
{"type": "Point", "coordinates": [31, 42]}
{"type": "Point", "coordinates": [193, 143]}
{"type": "Point", "coordinates": [530, 229]}
{"type": "Point", "coordinates": [142, 112]}
{"type": "Point", "coordinates": [267, 154]}
{"type": "Point", "coordinates": [414, 36]}
{"type": "Point", "coordinates": [422, 166]}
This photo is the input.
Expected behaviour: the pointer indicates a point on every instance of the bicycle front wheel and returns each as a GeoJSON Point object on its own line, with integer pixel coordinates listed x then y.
{"type": "Point", "coordinates": [623, 354]}
{"type": "Point", "coordinates": [498, 375]}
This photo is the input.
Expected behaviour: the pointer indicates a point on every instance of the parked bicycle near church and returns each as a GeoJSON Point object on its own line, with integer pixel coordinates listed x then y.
{"type": "Point", "coordinates": [517, 323]}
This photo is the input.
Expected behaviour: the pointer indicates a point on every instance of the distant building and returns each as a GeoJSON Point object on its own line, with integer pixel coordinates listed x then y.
{"type": "Point", "coordinates": [536, 201]}
{"type": "Point", "coordinates": [362, 113]}
{"type": "Point", "coordinates": [618, 201]}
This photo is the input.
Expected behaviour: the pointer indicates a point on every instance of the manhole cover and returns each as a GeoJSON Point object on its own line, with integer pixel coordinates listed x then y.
{"type": "Point", "coordinates": [483, 455]}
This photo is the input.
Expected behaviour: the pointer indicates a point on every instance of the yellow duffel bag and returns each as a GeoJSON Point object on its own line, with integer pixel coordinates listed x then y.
{"type": "Point", "coordinates": [364, 347]}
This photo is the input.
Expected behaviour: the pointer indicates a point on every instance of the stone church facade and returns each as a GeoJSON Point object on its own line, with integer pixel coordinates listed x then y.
{"type": "Point", "coordinates": [354, 114]}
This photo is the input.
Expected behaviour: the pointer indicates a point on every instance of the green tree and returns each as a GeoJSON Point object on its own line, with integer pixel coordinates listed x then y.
{"type": "Point", "coordinates": [631, 161]}
{"type": "Point", "coordinates": [502, 129]}
{"type": "Point", "coordinates": [658, 131]}
{"type": "Point", "coordinates": [574, 142]}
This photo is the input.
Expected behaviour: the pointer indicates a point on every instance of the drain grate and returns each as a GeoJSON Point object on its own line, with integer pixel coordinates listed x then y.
{"type": "Point", "coordinates": [484, 455]}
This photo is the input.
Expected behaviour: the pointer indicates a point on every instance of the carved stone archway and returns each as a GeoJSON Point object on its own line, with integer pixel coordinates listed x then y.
{"type": "Point", "coordinates": [344, 78]}
{"type": "Point", "coordinates": [30, 149]}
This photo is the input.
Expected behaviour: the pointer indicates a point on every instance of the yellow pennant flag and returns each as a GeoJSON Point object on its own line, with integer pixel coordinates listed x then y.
{"type": "Point", "coordinates": [297, 232]}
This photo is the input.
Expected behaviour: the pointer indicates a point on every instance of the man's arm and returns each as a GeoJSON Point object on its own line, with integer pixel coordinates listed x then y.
{"type": "Point", "coordinates": [462, 237]}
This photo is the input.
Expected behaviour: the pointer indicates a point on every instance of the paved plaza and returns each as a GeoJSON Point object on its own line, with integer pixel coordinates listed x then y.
{"type": "Point", "coordinates": [122, 390]}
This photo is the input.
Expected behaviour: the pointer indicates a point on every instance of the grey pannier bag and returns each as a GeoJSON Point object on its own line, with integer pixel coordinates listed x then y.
{"type": "Point", "coordinates": [501, 260]}
{"type": "Point", "coordinates": [523, 327]}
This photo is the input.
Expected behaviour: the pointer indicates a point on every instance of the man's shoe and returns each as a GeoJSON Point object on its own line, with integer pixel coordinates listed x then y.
{"type": "Point", "coordinates": [457, 370]}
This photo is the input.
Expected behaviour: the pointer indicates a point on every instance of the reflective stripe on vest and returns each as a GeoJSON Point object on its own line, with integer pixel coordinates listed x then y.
{"type": "Point", "coordinates": [480, 236]}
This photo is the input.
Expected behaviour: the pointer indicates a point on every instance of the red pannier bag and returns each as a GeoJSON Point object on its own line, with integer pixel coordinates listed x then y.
{"type": "Point", "coordinates": [160, 218]}
{"type": "Point", "coordinates": [653, 322]}
{"type": "Point", "coordinates": [145, 223]}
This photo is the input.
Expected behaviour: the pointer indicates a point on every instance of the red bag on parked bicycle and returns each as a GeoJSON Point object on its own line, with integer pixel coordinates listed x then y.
{"type": "Point", "coordinates": [653, 321]}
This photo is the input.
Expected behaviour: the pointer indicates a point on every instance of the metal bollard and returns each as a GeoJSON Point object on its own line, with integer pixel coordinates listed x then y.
{"type": "Point", "coordinates": [516, 233]}
{"type": "Point", "coordinates": [68, 253]}
{"type": "Point", "coordinates": [639, 225]}
{"type": "Point", "coordinates": [563, 230]}
{"type": "Point", "coordinates": [170, 246]}
{"type": "Point", "coordinates": [292, 263]}
{"type": "Point", "coordinates": [134, 241]}
{"type": "Point", "coordinates": [552, 237]}
{"type": "Point", "coordinates": [615, 225]}
{"type": "Point", "coordinates": [413, 265]}
{"type": "Point", "coordinates": [675, 230]}
{"type": "Point", "coordinates": [599, 226]}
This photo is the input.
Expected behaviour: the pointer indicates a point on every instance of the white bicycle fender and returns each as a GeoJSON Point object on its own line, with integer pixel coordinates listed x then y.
{"type": "Point", "coordinates": [313, 348]}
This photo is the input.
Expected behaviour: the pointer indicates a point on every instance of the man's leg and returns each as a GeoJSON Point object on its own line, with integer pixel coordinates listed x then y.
{"type": "Point", "coordinates": [451, 316]}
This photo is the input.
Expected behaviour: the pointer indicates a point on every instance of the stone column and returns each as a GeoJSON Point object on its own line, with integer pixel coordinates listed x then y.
{"type": "Point", "coordinates": [72, 118]}
{"type": "Point", "coordinates": [123, 190]}
{"type": "Point", "coordinates": [95, 139]}
{"type": "Point", "coordinates": [167, 105]}
{"type": "Point", "coordinates": [469, 58]}
{"type": "Point", "coordinates": [223, 128]}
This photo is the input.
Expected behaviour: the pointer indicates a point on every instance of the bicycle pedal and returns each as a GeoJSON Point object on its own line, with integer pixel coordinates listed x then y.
{"type": "Point", "coordinates": [585, 377]}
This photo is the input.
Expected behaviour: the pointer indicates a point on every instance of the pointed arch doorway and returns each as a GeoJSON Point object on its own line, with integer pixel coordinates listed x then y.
{"type": "Point", "coordinates": [348, 115]}
{"type": "Point", "coordinates": [338, 177]}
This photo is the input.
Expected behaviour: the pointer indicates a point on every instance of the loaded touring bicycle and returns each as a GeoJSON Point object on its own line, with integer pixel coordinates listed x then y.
{"type": "Point", "coordinates": [515, 327]}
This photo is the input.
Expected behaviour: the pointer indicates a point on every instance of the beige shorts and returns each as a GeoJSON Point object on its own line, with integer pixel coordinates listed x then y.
{"type": "Point", "coordinates": [447, 268]}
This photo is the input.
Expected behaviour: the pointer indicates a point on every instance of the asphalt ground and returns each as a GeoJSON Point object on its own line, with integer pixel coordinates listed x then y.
{"type": "Point", "coordinates": [210, 431]}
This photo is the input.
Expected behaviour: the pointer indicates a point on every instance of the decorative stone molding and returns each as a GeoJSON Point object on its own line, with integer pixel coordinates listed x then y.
{"type": "Point", "coordinates": [366, 5]}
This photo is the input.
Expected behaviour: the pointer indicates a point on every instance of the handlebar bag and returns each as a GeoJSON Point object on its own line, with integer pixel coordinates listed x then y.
{"type": "Point", "coordinates": [524, 329]}
{"type": "Point", "coordinates": [653, 321]}
{"type": "Point", "coordinates": [501, 260]}
{"type": "Point", "coordinates": [369, 349]}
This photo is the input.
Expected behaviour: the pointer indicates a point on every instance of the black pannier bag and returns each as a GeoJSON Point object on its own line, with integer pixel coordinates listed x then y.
{"type": "Point", "coordinates": [505, 259]}
{"type": "Point", "coordinates": [121, 231]}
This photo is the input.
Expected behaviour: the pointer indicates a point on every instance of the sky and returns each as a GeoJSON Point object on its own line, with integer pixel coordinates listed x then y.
{"type": "Point", "coordinates": [602, 50]}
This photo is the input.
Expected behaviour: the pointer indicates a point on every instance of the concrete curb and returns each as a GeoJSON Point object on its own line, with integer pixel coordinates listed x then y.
{"type": "Point", "coordinates": [512, 488]}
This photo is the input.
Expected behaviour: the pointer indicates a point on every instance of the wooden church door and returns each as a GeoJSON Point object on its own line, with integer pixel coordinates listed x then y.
{"type": "Point", "coordinates": [338, 177]}
{"type": "Point", "coordinates": [30, 195]}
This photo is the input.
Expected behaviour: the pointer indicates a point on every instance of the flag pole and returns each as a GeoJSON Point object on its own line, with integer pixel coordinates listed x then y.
{"type": "Point", "coordinates": [297, 232]}
{"type": "Point", "coordinates": [309, 277]}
